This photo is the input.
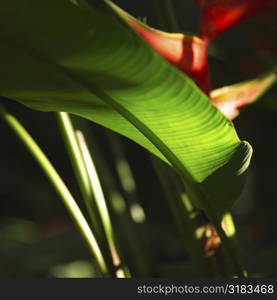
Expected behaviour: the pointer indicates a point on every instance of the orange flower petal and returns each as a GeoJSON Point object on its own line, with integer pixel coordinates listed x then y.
{"type": "Point", "coordinates": [230, 99]}
{"type": "Point", "coordinates": [187, 53]}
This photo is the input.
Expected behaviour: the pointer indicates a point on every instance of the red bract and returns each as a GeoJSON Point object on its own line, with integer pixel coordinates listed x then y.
{"type": "Point", "coordinates": [219, 15]}
{"type": "Point", "coordinates": [230, 99]}
{"type": "Point", "coordinates": [187, 53]}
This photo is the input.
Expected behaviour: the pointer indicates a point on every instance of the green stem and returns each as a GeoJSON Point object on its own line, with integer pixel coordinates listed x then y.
{"type": "Point", "coordinates": [230, 232]}
{"type": "Point", "coordinates": [91, 189]}
{"type": "Point", "coordinates": [130, 234]}
{"type": "Point", "coordinates": [59, 185]}
{"type": "Point", "coordinates": [79, 167]}
{"type": "Point", "coordinates": [100, 201]}
{"type": "Point", "coordinates": [188, 222]}
{"type": "Point", "coordinates": [132, 228]}
{"type": "Point", "coordinates": [230, 250]}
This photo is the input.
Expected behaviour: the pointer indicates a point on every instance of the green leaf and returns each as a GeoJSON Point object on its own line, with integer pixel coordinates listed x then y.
{"type": "Point", "coordinates": [59, 56]}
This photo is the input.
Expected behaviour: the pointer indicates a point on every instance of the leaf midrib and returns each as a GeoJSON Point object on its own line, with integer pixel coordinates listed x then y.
{"type": "Point", "coordinates": [145, 130]}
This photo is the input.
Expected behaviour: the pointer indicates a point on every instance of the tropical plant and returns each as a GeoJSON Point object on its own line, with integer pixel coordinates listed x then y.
{"type": "Point", "coordinates": [151, 86]}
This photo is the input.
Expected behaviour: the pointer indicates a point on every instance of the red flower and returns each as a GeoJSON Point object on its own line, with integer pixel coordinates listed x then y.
{"type": "Point", "coordinates": [187, 53]}
{"type": "Point", "coordinates": [230, 99]}
{"type": "Point", "coordinates": [219, 15]}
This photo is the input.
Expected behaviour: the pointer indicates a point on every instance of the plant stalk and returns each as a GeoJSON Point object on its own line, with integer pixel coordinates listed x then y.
{"type": "Point", "coordinates": [79, 167]}
{"type": "Point", "coordinates": [121, 271]}
{"type": "Point", "coordinates": [91, 189]}
{"type": "Point", "coordinates": [59, 186]}
{"type": "Point", "coordinates": [187, 219]}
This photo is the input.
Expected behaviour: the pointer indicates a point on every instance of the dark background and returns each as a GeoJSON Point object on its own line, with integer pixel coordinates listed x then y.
{"type": "Point", "coordinates": [37, 236]}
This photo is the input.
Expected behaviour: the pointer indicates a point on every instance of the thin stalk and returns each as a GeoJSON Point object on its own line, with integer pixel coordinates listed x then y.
{"type": "Point", "coordinates": [59, 186]}
{"type": "Point", "coordinates": [79, 167]}
{"type": "Point", "coordinates": [230, 252]}
{"type": "Point", "coordinates": [133, 224]}
{"type": "Point", "coordinates": [96, 188]}
{"type": "Point", "coordinates": [230, 231]}
{"type": "Point", "coordinates": [188, 221]}
{"type": "Point", "coordinates": [130, 234]}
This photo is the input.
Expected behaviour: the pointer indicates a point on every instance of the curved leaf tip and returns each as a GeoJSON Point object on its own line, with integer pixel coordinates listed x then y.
{"type": "Point", "coordinates": [224, 186]}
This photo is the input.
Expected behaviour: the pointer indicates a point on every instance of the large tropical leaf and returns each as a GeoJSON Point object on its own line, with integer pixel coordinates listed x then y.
{"type": "Point", "coordinates": [59, 56]}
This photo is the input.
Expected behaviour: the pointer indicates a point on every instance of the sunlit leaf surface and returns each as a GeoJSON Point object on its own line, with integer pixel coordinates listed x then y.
{"type": "Point", "coordinates": [86, 60]}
